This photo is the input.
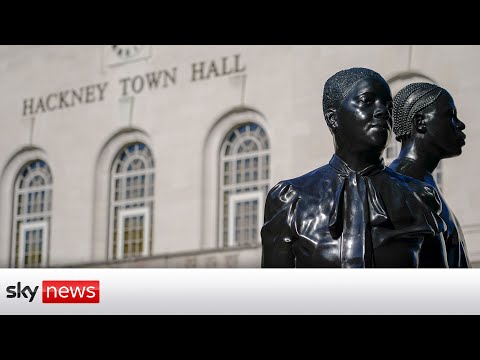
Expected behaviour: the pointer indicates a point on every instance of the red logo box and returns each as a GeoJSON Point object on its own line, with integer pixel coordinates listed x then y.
{"type": "Point", "coordinates": [71, 291]}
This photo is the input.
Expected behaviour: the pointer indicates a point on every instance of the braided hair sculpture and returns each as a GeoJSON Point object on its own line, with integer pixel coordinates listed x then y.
{"type": "Point", "coordinates": [410, 100]}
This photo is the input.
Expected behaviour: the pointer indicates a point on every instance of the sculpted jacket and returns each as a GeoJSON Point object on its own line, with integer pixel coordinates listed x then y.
{"type": "Point", "coordinates": [456, 248]}
{"type": "Point", "coordinates": [336, 217]}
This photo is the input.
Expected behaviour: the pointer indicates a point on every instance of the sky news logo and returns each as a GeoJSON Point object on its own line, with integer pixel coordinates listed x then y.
{"type": "Point", "coordinates": [58, 291]}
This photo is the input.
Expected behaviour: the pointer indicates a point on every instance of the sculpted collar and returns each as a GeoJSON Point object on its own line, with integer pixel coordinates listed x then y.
{"type": "Point", "coordinates": [343, 169]}
{"type": "Point", "coordinates": [356, 205]}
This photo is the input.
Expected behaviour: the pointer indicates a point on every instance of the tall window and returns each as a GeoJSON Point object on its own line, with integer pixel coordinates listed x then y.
{"type": "Point", "coordinates": [244, 183]}
{"type": "Point", "coordinates": [131, 212]}
{"type": "Point", "coordinates": [392, 151]}
{"type": "Point", "coordinates": [32, 213]}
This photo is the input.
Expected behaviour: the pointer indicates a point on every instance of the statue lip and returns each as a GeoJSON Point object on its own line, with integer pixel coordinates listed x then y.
{"type": "Point", "coordinates": [379, 125]}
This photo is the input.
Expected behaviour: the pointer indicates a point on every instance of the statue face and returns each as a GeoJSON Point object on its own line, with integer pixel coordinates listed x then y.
{"type": "Point", "coordinates": [364, 117]}
{"type": "Point", "coordinates": [444, 129]}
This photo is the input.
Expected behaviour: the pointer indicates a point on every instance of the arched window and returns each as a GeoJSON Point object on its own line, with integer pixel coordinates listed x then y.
{"type": "Point", "coordinates": [131, 202]}
{"type": "Point", "coordinates": [32, 215]}
{"type": "Point", "coordinates": [244, 183]}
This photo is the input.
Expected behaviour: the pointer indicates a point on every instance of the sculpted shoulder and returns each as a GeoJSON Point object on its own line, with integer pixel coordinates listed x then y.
{"type": "Point", "coordinates": [324, 176]}
{"type": "Point", "coordinates": [408, 168]}
{"type": "Point", "coordinates": [412, 187]}
{"type": "Point", "coordinates": [301, 197]}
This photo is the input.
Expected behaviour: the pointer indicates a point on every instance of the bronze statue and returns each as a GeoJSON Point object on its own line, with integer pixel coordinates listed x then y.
{"type": "Point", "coordinates": [352, 212]}
{"type": "Point", "coordinates": [426, 123]}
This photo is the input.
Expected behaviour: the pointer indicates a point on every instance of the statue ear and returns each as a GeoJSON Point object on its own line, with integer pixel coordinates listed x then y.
{"type": "Point", "coordinates": [419, 123]}
{"type": "Point", "coordinates": [331, 118]}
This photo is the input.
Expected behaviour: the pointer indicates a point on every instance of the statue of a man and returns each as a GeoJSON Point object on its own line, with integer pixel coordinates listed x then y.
{"type": "Point", "coordinates": [425, 121]}
{"type": "Point", "coordinates": [352, 212]}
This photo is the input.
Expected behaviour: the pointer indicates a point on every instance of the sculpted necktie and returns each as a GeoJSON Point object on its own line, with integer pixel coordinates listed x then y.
{"type": "Point", "coordinates": [357, 205]}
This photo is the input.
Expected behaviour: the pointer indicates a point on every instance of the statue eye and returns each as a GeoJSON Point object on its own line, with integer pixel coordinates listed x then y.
{"type": "Point", "coordinates": [366, 99]}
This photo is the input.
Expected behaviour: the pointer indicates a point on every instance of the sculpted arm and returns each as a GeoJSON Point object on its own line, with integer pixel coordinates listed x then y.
{"type": "Point", "coordinates": [277, 236]}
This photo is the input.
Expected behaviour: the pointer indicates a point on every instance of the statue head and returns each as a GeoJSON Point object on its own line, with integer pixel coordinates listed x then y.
{"type": "Point", "coordinates": [356, 105]}
{"type": "Point", "coordinates": [425, 113]}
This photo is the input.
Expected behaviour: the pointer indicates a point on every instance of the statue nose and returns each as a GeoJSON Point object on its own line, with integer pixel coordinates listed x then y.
{"type": "Point", "coordinates": [381, 113]}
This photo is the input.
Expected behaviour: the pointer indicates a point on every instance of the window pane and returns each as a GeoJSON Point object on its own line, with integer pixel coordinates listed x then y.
{"type": "Point", "coordinates": [246, 148]}
{"type": "Point", "coordinates": [35, 182]}
{"type": "Point", "coordinates": [134, 189]}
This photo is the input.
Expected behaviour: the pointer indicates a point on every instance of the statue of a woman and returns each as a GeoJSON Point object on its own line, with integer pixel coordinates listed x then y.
{"type": "Point", "coordinates": [425, 121]}
{"type": "Point", "coordinates": [352, 212]}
